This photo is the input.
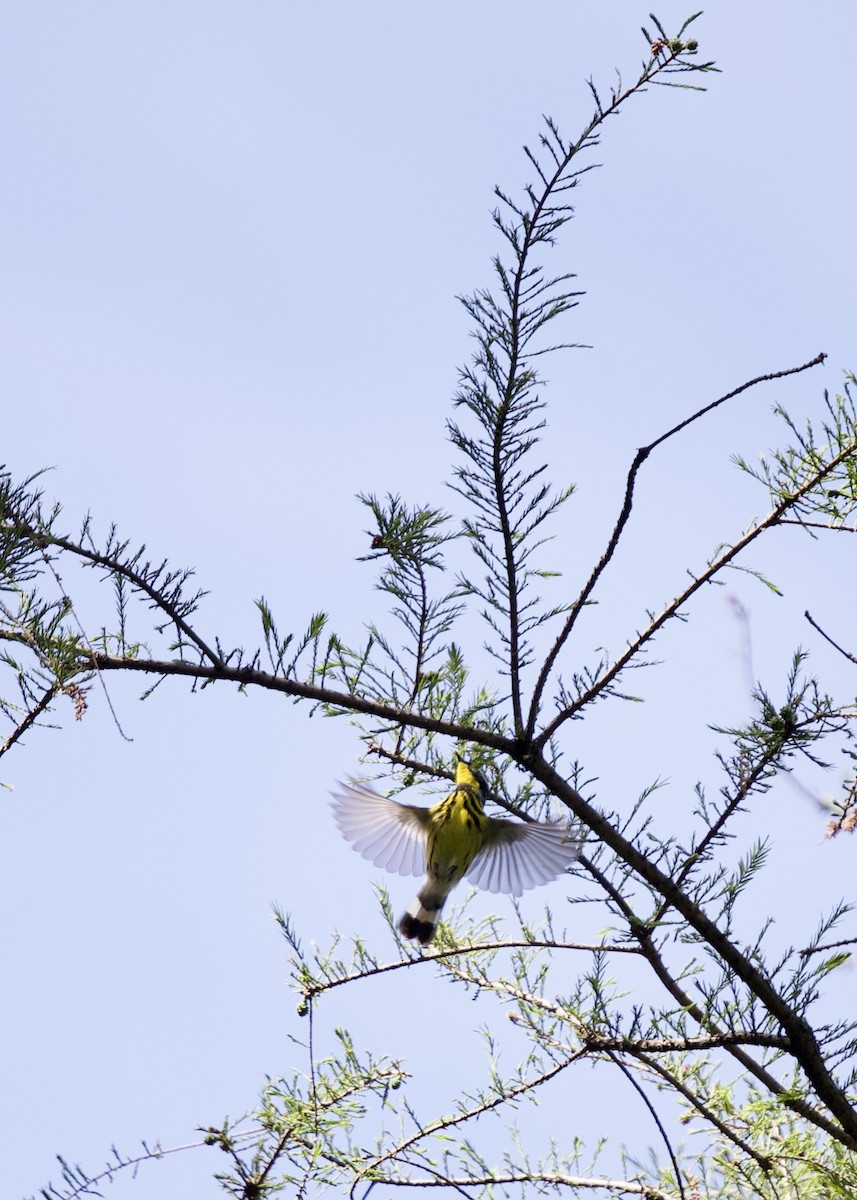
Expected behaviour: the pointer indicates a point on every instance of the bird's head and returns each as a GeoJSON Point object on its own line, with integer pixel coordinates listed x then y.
{"type": "Point", "coordinates": [471, 777]}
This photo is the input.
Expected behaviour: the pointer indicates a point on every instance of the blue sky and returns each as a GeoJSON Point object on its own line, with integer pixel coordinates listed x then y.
{"type": "Point", "coordinates": [231, 240]}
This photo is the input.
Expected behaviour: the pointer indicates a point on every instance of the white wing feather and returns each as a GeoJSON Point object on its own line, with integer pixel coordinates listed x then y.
{"type": "Point", "coordinates": [389, 834]}
{"type": "Point", "coordinates": [517, 857]}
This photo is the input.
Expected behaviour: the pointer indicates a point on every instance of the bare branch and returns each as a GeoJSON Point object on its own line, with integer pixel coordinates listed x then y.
{"type": "Point", "coordinates": [622, 521]}
{"type": "Point", "coordinates": [732, 552]}
{"type": "Point", "coordinates": [30, 719]}
{"type": "Point", "coordinates": [805, 953]}
{"type": "Point", "coordinates": [553, 1179]}
{"type": "Point", "coordinates": [828, 638]}
{"type": "Point", "coordinates": [645, 936]}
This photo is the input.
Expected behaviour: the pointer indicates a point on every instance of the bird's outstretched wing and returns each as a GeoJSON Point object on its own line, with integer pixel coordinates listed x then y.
{"type": "Point", "coordinates": [389, 834]}
{"type": "Point", "coordinates": [517, 857]}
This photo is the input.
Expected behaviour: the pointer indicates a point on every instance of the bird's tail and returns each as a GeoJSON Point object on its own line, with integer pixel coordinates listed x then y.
{"type": "Point", "coordinates": [423, 913]}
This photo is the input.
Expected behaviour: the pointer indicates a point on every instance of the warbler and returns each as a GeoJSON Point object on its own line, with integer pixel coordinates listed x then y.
{"type": "Point", "coordinates": [451, 841]}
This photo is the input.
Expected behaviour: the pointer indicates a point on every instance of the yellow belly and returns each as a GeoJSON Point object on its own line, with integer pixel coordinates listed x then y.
{"type": "Point", "coordinates": [455, 838]}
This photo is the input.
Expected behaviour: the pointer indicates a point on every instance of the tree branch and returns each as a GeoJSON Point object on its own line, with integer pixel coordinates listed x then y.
{"type": "Point", "coordinates": [802, 1041]}
{"type": "Point", "coordinates": [828, 638]}
{"type": "Point", "coordinates": [624, 516]}
{"type": "Point", "coordinates": [645, 937]}
{"type": "Point", "coordinates": [43, 538]}
{"type": "Point", "coordinates": [30, 719]}
{"type": "Point", "coordinates": [723, 560]}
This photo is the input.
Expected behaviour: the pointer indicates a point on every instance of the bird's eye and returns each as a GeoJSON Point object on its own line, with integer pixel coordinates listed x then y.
{"type": "Point", "coordinates": [482, 781]}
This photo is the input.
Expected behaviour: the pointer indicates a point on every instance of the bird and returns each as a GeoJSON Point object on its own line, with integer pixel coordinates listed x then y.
{"type": "Point", "coordinates": [451, 841]}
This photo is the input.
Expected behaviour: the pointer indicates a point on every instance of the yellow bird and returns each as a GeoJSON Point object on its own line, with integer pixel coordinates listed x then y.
{"type": "Point", "coordinates": [451, 841]}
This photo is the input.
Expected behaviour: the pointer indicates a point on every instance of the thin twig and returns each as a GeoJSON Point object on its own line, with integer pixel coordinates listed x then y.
{"type": "Point", "coordinates": [82, 632]}
{"type": "Point", "coordinates": [42, 538]}
{"type": "Point", "coordinates": [714, 830]}
{"type": "Point", "coordinates": [577, 1184]}
{"type": "Point", "coordinates": [654, 1115]}
{"type": "Point", "coordinates": [442, 1124]}
{"type": "Point", "coordinates": [602, 1043]}
{"type": "Point", "coordinates": [84, 1184]}
{"type": "Point", "coordinates": [409, 764]}
{"type": "Point", "coordinates": [820, 525]}
{"type": "Point", "coordinates": [773, 518]}
{"type": "Point", "coordinates": [311, 1051]}
{"type": "Point", "coordinates": [438, 1179]}
{"type": "Point", "coordinates": [30, 719]}
{"type": "Point", "coordinates": [645, 936]}
{"type": "Point", "coordinates": [624, 515]}
{"type": "Point", "coordinates": [828, 638]}
{"type": "Point", "coordinates": [434, 956]}
{"type": "Point", "coordinates": [827, 946]}
{"type": "Point", "coordinates": [702, 1108]}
